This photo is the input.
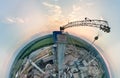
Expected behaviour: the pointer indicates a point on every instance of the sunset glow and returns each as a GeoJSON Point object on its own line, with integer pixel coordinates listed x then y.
{"type": "Point", "coordinates": [20, 20]}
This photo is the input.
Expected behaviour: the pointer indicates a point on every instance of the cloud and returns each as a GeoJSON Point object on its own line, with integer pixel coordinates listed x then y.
{"type": "Point", "coordinates": [84, 8]}
{"type": "Point", "coordinates": [75, 12]}
{"type": "Point", "coordinates": [54, 10]}
{"type": "Point", "coordinates": [55, 14]}
{"type": "Point", "coordinates": [15, 20]}
{"type": "Point", "coordinates": [90, 4]}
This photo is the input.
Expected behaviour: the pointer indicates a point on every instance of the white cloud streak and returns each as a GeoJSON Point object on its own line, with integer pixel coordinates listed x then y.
{"type": "Point", "coordinates": [54, 10]}
{"type": "Point", "coordinates": [75, 12]}
{"type": "Point", "coordinates": [55, 15]}
{"type": "Point", "coordinates": [14, 20]}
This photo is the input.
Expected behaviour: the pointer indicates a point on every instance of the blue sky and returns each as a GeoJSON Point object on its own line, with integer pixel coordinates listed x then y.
{"type": "Point", "coordinates": [22, 19]}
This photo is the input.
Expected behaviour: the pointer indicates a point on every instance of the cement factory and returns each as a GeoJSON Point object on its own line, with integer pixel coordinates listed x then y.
{"type": "Point", "coordinates": [62, 55]}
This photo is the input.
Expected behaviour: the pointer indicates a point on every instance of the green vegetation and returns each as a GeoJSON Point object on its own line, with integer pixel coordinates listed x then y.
{"type": "Point", "coordinates": [37, 45]}
{"type": "Point", "coordinates": [42, 42]}
{"type": "Point", "coordinates": [27, 50]}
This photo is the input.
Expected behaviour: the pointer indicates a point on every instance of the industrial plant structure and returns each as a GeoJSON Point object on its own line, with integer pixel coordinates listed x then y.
{"type": "Point", "coordinates": [61, 55]}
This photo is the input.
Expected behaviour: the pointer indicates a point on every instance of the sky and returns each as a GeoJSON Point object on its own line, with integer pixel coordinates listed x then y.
{"type": "Point", "coordinates": [20, 20]}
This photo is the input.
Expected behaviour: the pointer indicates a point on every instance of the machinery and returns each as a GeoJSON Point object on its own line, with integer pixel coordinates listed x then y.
{"type": "Point", "coordinates": [61, 55]}
{"type": "Point", "coordinates": [61, 39]}
{"type": "Point", "coordinates": [102, 24]}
